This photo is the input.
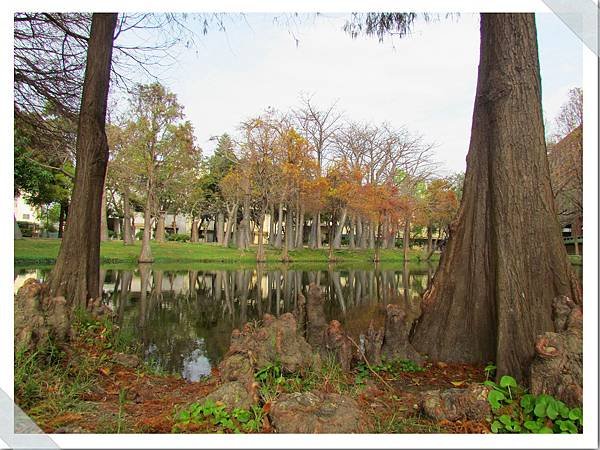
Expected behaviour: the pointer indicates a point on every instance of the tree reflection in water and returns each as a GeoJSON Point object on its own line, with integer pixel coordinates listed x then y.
{"type": "Point", "coordinates": [182, 320]}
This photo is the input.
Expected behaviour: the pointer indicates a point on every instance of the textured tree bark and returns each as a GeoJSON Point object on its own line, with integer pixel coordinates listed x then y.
{"type": "Point", "coordinates": [76, 272]}
{"type": "Point", "coordinates": [490, 298]}
{"type": "Point", "coordinates": [312, 239]}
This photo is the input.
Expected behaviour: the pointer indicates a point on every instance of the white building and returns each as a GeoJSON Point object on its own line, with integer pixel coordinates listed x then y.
{"type": "Point", "coordinates": [24, 212]}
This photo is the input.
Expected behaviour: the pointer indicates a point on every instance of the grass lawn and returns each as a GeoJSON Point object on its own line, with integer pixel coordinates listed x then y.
{"type": "Point", "coordinates": [38, 251]}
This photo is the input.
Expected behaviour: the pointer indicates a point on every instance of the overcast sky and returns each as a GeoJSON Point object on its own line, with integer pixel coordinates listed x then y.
{"type": "Point", "coordinates": [425, 82]}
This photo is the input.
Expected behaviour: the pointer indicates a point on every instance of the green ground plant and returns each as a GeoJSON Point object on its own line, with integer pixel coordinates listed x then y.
{"type": "Point", "coordinates": [392, 367]}
{"type": "Point", "coordinates": [516, 411]}
{"type": "Point", "coordinates": [217, 419]}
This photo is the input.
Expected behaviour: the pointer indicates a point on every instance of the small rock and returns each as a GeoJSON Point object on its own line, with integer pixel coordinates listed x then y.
{"type": "Point", "coordinates": [456, 404]}
{"type": "Point", "coordinates": [232, 394]}
{"type": "Point", "coordinates": [441, 364]}
{"type": "Point", "coordinates": [315, 412]}
{"type": "Point", "coordinates": [236, 367]}
{"type": "Point", "coordinates": [129, 361]}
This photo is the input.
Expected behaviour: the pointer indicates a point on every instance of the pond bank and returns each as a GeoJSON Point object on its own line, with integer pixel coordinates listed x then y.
{"type": "Point", "coordinates": [92, 388]}
{"type": "Point", "coordinates": [29, 252]}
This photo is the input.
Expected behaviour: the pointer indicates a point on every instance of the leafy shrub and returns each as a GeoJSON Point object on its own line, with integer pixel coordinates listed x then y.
{"type": "Point", "coordinates": [178, 237]}
{"type": "Point", "coordinates": [516, 411]}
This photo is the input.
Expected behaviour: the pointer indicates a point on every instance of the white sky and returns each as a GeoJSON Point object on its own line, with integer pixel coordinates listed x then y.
{"type": "Point", "coordinates": [425, 82]}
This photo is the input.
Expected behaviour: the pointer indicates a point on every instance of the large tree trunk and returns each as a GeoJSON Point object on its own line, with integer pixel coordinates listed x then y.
{"type": "Point", "coordinates": [76, 272]}
{"type": "Point", "coordinates": [489, 298]}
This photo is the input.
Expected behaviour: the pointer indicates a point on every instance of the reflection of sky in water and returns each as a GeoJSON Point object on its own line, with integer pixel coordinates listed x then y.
{"type": "Point", "coordinates": [196, 365]}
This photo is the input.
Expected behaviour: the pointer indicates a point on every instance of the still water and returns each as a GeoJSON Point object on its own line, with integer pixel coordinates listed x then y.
{"type": "Point", "coordinates": [182, 320]}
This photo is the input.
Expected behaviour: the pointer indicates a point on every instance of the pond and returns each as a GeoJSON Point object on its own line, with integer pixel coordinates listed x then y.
{"type": "Point", "coordinates": [182, 319]}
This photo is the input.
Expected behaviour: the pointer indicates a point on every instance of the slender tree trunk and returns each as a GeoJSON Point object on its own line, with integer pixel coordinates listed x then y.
{"type": "Point", "coordinates": [352, 240]}
{"type": "Point", "coordinates": [372, 228]}
{"type": "Point", "coordinates": [159, 236]}
{"type": "Point", "coordinates": [279, 235]}
{"type": "Point", "coordinates": [76, 272]}
{"type": "Point", "coordinates": [117, 227]}
{"type": "Point", "coordinates": [271, 225]}
{"type": "Point", "coordinates": [220, 227]}
{"type": "Point", "coordinates": [146, 253]}
{"type": "Point", "coordinates": [319, 241]}
{"type": "Point", "coordinates": [285, 257]}
{"type": "Point", "coordinates": [260, 252]}
{"type": "Point", "coordinates": [429, 239]}
{"type": "Point", "coordinates": [300, 230]}
{"type": "Point", "coordinates": [206, 224]}
{"type": "Point", "coordinates": [575, 234]}
{"type": "Point", "coordinates": [231, 216]}
{"type": "Point", "coordinates": [312, 239]}
{"type": "Point", "coordinates": [490, 299]}
{"type": "Point", "coordinates": [103, 217]}
{"type": "Point", "coordinates": [194, 231]}
{"type": "Point", "coordinates": [18, 234]}
{"type": "Point", "coordinates": [406, 239]}
{"type": "Point", "coordinates": [244, 227]}
{"type": "Point", "coordinates": [331, 256]}
{"type": "Point", "coordinates": [61, 220]}
{"type": "Point", "coordinates": [337, 240]}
